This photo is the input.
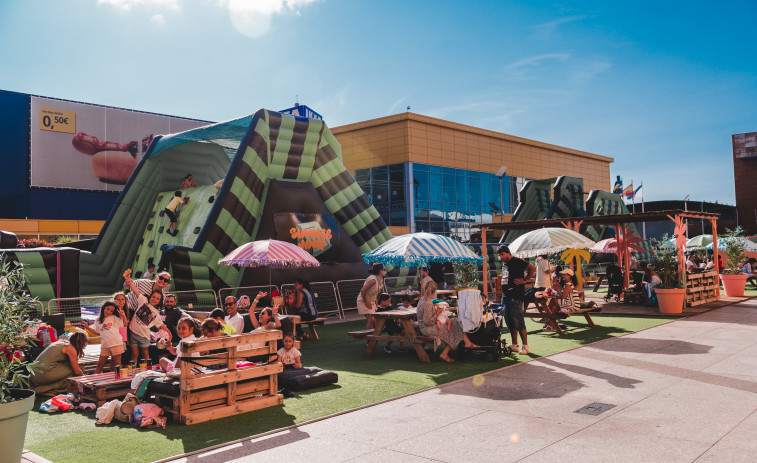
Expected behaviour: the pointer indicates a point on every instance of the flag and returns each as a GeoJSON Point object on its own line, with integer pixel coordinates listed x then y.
{"type": "Point", "coordinates": [628, 192]}
{"type": "Point", "coordinates": [618, 187]}
{"type": "Point", "coordinates": [639, 193]}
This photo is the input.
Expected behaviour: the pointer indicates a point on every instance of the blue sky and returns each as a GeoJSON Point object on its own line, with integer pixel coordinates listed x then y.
{"type": "Point", "coordinates": [659, 86]}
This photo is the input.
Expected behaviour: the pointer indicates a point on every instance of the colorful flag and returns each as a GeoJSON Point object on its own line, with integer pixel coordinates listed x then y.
{"type": "Point", "coordinates": [618, 187]}
{"type": "Point", "coordinates": [639, 193]}
{"type": "Point", "coordinates": [628, 192]}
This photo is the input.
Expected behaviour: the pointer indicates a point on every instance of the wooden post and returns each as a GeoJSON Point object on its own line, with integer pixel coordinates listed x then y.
{"type": "Point", "coordinates": [716, 257]}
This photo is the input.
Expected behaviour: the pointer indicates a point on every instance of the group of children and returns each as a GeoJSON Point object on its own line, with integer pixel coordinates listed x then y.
{"type": "Point", "coordinates": [115, 320]}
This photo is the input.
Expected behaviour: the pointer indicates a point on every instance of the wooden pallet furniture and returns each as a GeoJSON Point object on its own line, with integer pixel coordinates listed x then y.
{"type": "Point", "coordinates": [701, 288]}
{"type": "Point", "coordinates": [227, 390]}
{"type": "Point", "coordinates": [99, 388]}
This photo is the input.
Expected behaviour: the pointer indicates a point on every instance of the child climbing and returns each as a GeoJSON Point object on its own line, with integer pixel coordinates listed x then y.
{"type": "Point", "coordinates": [171, 212]}
{"type": "Point", "coordinates": [218, 186]}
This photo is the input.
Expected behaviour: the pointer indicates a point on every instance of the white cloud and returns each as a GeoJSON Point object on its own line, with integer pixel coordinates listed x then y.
{"type": "Point", "coordinates": [539, 59]}
{"type": "Point", "coordinates": [546, 30]}
{"type": "Point", "coordinates": [253, 17]}
{"type": "Point", "coordinates": [129, 4]}
{"type": "Point", "coordinates": [158, 19]}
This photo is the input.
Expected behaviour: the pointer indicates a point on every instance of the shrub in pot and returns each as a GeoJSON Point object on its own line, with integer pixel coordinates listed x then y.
{"type": "Point", "coordinates": [16, 400]}
{"type": "Point", "coordinates": [734, 281]}
{"type": "Point", "coordinates": [671, 292]}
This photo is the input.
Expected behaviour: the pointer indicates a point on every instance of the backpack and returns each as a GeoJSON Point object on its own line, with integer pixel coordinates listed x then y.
{"type": "Point", "coordinates": [46, 336]}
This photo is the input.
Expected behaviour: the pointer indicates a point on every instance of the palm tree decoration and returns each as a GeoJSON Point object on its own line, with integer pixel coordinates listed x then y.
{"type": "Point", "coordinates": [569, 255]}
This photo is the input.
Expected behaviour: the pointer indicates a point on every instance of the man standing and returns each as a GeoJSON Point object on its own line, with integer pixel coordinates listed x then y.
{"type": "Point", "coordinates": [513, 290]}
{"type": "Point", "coordinates": [424, 278]}
{"type": "Point", "coordinates": [232, 315]}
{"type": "Point", "coordinates": [146, 288]}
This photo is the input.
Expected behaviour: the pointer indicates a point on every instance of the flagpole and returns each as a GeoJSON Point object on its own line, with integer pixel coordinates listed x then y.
{"type": "Point", "coordinates": [633, 197]}
{"type": "Point", "coordinates": [643, 224]}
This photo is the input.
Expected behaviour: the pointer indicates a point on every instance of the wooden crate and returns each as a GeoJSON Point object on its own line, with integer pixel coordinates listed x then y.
{"type": "Point", "coordinates": [99, 388]}
{"type": "Point", "coordinates": [230, 390]}
{"type": "Point", "coordinates": [701, 288]}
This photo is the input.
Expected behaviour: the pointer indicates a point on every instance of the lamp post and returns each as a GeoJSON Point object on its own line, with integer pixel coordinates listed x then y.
{"type": "Point", "coordinates": [501, 173]}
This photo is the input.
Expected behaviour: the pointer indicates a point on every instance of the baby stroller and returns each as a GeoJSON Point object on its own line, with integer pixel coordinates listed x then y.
{"type": "Point", "coordinates": [486, 333]}
{"type": "Point", "coordinates": [614, 283]}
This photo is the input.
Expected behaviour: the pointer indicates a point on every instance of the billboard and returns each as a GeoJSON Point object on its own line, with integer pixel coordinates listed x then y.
{"type": "Point", "coordinates": [84, 146]}
{"type": "Point", "coordinates": [318, 234]}
{"type": "Point", "coordinates": [745, 145]}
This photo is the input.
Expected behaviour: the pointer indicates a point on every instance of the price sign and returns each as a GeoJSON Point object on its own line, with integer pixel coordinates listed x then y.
{"type": "Point", "coordinates": [57, 120]}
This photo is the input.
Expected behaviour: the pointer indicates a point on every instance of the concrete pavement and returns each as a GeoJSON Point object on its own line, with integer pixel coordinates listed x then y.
{"type": "Point", "coordinates": [684, 391]}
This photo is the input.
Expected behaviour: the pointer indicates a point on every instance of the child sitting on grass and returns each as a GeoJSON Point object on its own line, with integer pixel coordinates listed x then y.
{"type": "Point", "coordinates": [108, 324]}
{"type": "Point", "coordinates": [289, 355]}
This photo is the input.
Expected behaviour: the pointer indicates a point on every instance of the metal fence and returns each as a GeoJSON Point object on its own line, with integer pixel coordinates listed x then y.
{"type": "Point", "coordinates": [200, 300]}
{"type": "Point", "coordinates": [249, 291]}
{"type": "Point", "coordinates": [37, 309]}
{"type": "Point", "coordinates": [326, 298]}
{"type": "Point", "coordinates": [347, 292]}
{"type": "Point", "coordinates": [75, 308]}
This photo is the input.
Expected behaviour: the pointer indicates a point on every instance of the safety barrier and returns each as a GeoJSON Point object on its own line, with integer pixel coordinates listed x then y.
{"type": "Point", "coordinates": [325, 295]}
{"type": "Point", "coordinates": [249, 291]}
{"type": "Point", "coordinates": [38, 309]}
{"type": "Point", "coordinates": [200, 299]}
{"type": "Point", "coordinates": [347, 291]}
{"type": "Point", "coordinates": [76, 308]}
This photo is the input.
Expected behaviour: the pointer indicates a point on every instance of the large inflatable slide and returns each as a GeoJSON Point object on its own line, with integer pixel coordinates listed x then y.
{"type": "Point", "coordinates": [268, 175]}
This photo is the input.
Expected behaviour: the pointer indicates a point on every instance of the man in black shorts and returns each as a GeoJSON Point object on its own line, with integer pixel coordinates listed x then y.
{"type": "Point", "coordinates": [513, 289]}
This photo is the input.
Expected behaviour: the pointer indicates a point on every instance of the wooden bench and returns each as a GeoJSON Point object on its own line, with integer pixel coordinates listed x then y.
{"type": "Point", "coordinates": [405, 317]}
{"type": "Point", "coordinates": [551, 318]}
{"type": "Point", "coordinates": [368, 335]}
{"type": "Point", "coordinates": [227, 390]}
{"type": "Point", "coordinates": [296, 320]}
{"type": "Point", "coordinates": [99, 388]}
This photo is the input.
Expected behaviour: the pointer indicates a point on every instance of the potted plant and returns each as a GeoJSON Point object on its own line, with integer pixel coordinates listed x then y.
{"type": "Point", "coordinates": [671, 292]}
{"type": "Point", "coordinates": [466, 275]}
{"type": "Point", "coordinates": [16, 400]}
{"type": "Point", "coordinates": [734, 281]}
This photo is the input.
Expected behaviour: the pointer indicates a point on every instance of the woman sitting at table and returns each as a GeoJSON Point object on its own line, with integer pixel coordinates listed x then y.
{"type": "Point", "coordinates": [651, 279]}
{"type": "Point", "coordinates": [427, 315]}
{"type": "Point", "coordinates": [749, 269]}
{"type": "Point", "coordinates": [58, 362]}
{"type": "Point", "coordinates": [565, 297]}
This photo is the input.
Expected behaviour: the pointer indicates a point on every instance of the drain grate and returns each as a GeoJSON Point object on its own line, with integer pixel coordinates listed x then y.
{"type": "Point", "coordinates": [595, 408]}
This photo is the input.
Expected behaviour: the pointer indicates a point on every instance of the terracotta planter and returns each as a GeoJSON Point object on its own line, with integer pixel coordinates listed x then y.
{"type": "Point", "coordinates": [13, 418]}
{"type": "Point", "coordinates": [734, 284]}
{"type": "Point", "coordinates": [670, 300]}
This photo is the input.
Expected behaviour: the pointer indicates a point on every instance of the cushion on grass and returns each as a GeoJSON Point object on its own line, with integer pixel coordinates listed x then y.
{"type": "Point", "coordinates": [299, 379]}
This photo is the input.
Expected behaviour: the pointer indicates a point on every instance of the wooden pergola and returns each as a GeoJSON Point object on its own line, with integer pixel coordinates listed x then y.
{"type": "Point", "coordinates": [621, 224]}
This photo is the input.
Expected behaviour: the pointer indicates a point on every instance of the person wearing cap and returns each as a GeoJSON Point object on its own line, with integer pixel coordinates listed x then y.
{"type": "Point", "coordinates": [515, 273]}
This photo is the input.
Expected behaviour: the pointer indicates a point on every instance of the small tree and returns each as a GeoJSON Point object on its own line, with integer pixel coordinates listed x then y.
{"type": "Point", "coordinates": [15, 304]}
{"type": "Point", "coordinates": [665, 263]}
{"type": "Point", "coordinates": [466, 274]}
{"type": "Point", "coordinates": [734, 250]}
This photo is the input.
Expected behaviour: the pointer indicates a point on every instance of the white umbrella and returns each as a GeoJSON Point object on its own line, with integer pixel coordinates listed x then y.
{"type": "Point", "coordinates": [548, 241]}
{"type": "Point", "coordinates": [698, 242]}
{"type": "Point", "coordinates": [417, 249]}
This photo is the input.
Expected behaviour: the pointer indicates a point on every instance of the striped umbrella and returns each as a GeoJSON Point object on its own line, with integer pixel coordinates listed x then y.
{"type": "Point", "coordinates": [548, 240]}
{"type": "Point", "coordinates": [273, 254]}
{"type": "Point", "coordinates": [723, 243]}
{"type": "Point", "coordinates": [417, 249]}
{"type": "Point", "coordinates": [610, 246]}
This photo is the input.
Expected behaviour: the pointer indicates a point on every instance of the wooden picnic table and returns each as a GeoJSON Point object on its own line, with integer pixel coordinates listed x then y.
{"type": "Point", "coordinates": [405, 317]}
{"type": "Point", "coordinates": [544, 311]}
{"type": "Point", "coordinates": [601, 276]}
{"type": "Point", "coordinates": [99, 388]}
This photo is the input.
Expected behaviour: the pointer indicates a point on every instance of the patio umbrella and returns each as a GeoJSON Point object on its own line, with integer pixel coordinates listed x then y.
{"type": "Point", "coordinates": [548, 241]}
{"type": "Point", "coordinates": [418, 249]}
{"type": "Point", "coordinates": [670, 244]}
{"type": "Point", "coordinates": [698, 242]}
{"type": "Point", "coordinates": [273, 254]}
{"type": "Point", "coordinates": [723, 242]}
{"type": "Point", "coordinates": [610, 246]}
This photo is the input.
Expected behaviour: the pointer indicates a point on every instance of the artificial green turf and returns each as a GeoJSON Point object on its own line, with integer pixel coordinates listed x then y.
{"type": "Point", "coordinates": [73, 436]}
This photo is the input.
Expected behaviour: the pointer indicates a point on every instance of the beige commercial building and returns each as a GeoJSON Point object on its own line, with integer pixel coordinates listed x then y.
{"type": "Point", "coordinates": [449, 170]}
